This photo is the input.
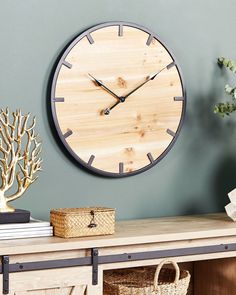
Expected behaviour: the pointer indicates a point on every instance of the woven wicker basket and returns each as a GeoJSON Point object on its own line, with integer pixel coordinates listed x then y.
{"type": "Point", "coordinates": [167, 281]}
{"type": "Point", "coordinates": [83, 222]}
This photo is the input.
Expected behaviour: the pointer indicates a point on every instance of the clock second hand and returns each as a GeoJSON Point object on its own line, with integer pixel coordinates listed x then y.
{"type": "Point", "coordinates": [107, 110]}
{"type": "Point", "coordinates": [123, 98]}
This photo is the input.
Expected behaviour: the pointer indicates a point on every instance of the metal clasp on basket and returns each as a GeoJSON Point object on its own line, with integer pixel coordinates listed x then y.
{"type": "Point", "coordinates": [92, 222]}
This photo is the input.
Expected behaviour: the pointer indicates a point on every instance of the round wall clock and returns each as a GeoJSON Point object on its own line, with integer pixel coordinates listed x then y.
{"type": "Point", "coordinates": [117, 99]}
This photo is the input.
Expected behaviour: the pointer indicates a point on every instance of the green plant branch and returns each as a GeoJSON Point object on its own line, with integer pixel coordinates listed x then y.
{"type": "Point", "coordinates": [227, 108]}
{"type": "Point", "coordinates": [228, 63]}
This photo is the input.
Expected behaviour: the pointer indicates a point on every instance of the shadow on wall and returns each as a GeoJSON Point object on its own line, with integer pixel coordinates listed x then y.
{"type": "Point", "coordinates": [224, 180]}
{"type": "Point", "coordinates": [213, 128]}
{"type": "Point", "coordinates": [219, 136]}
{"type": "Point", "coordinates": [224, 135]}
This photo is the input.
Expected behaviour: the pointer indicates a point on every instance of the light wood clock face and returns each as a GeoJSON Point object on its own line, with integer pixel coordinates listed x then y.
{"type": "Point", "coordinates": [117, 99]}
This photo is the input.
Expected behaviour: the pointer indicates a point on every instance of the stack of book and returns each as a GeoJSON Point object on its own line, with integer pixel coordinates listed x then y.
{"type": "Point", "coordinates": [35, 228]}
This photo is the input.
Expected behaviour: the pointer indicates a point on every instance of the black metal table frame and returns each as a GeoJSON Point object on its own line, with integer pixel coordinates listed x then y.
{"type": "Point", "coordinates": [95, 260]}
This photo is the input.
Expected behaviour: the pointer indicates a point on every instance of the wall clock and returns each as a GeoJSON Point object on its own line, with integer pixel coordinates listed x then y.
{"type": "Point", "coordinates": [117, 99]}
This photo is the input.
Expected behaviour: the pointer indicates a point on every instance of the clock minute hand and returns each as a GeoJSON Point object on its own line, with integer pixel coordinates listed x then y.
{"type": "Point", "coordinates": [99, 83]}
{"type": "Point", "coordinates": [149, 78]}
{"type": "Point", "coordinates": [123, 98]}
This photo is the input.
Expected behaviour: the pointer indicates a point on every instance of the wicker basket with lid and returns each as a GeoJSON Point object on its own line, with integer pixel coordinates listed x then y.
{"type": "Point", "coordinates": [83, 222]}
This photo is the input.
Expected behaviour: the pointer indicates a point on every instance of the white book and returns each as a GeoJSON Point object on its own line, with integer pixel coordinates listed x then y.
{"type": "Point", "coordinates": [27, 233]}
{"type": "Point", "coordinates": [42, 234]}
{"type": "Point", "coordinates": [24, 230]}
{"type": "Point", "coordinates": [32, 224]}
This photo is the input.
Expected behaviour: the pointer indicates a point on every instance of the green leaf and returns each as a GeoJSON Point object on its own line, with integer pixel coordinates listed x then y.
{"type": "Point", "coordinates": [230, 90]}
{"type": "Point", "coordinates": [228, 63]}
{"type": "Point", "coordinates": [225, 108]}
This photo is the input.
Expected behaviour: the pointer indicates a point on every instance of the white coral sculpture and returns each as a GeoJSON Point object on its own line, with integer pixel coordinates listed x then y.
{"type": "Point", "coordinates": [20, 150]}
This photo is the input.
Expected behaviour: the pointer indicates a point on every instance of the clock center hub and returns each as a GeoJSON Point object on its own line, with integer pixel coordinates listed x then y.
{"type": "Point", "coordinates": [122, 99]}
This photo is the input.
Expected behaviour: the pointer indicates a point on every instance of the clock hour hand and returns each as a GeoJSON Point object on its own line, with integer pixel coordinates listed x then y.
{"type": "Point", "coordinates": [99, 83]}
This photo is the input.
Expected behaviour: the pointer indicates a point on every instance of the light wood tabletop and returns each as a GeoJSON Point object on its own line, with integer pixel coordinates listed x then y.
{"type": "Point", "coordinates": [141, 231]}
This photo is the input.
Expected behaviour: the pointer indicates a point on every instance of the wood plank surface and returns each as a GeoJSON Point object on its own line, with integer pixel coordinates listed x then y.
{"type": "Point", "coordinates": [134, 128]}
{"type": "Point", "coordinates": [47, 282]}
{"type": "Point", "coordinates": [142, 231]}
{"type": "Point", "coordinates": [65, 281]}
{"type": "Point", "coordinates": [215, 277]}
{"type": "Point", "coordinates": [66, 254]}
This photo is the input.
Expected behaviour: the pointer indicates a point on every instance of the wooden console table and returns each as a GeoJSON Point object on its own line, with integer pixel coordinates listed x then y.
{"type": "Point", "coordinates": [53, 266]}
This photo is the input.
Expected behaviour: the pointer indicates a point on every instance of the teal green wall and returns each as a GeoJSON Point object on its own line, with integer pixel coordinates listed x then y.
{"type": "Point", "coordinates": [197, 173]}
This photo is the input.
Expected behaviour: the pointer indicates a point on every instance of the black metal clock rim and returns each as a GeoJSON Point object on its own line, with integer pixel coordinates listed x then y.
{"type": "Point", "coordinates": [54, 115]}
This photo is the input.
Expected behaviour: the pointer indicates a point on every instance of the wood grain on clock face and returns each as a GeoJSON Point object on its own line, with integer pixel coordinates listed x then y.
{"type": "Point", "coordinates": [136, 133]}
